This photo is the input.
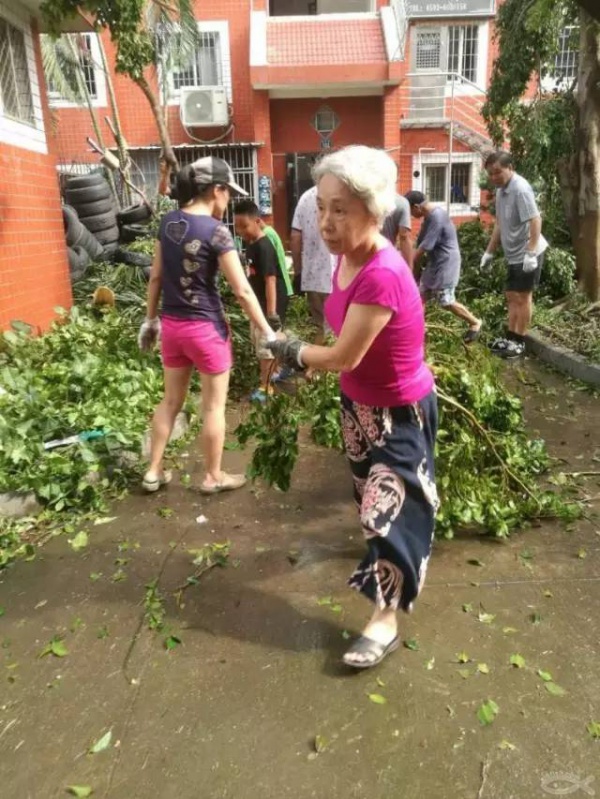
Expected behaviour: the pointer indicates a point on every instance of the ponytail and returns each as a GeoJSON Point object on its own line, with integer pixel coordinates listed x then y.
{"type": "Point", "coordinates": [184, 187]}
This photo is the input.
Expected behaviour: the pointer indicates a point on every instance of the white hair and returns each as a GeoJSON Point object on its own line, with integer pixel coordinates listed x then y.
{"type": "Point", "coordinates": [370, 174]}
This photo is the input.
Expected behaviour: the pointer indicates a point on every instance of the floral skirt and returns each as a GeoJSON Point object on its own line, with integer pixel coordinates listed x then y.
{"type": "Point", "coordinates": [390, 451]}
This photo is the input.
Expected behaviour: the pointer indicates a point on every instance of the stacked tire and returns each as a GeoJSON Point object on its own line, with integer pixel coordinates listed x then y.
{"type": "Point", "coordinates": [83, 247]}
{"type": "Point", "coordinates": [91, 196]}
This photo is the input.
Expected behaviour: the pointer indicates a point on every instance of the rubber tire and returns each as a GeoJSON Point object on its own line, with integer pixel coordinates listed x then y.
{"type": "Point", "coordinates": [96, 207]}
{"type": "Point", "coordinates": [99, 222]}
{"type": "Point", "coordinates": [79, 261]}
{"type": "Point", "coordinates": [140, 259]}
{"type": "Point", "coordinates": [72, 225]}
{"type": "Point", "coordinates": [131, 233]}
{"type": "Point", "coordinates": [133, 214]}
{"type": "Point", "coordinates": [108, 236]}
{"type": "Point", "coordinates": [85, 181]}
{"type": "Point", "coordinates": [90, 194]}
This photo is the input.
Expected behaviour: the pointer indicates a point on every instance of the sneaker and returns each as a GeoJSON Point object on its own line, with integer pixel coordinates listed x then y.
{"type": "Point", "coordinates": [285, 373]}
{"type": "Point", "coordinates": [512, 351]}
{"type": "Point", "coordinates": [261, 394]}
{"type": "Point", "coordinates": [499, 345]}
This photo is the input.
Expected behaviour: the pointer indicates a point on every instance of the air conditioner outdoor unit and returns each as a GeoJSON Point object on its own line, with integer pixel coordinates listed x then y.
{"type": "Point", "coordinates": [204, 108]}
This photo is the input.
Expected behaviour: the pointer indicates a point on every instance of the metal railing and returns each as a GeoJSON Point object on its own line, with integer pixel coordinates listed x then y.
{"type": "Point", "coordinates": [450, 100]}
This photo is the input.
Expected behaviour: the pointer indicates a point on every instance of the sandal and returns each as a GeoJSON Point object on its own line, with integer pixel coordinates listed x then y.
{"type": "Point", "coordinates": [152, 484]}
{"type": "Point", "coordinates": [229, 482]}
{"type": "Point", "coordinates": [366, 646]}
{"type": "Point", "coordinates": [471, 335]}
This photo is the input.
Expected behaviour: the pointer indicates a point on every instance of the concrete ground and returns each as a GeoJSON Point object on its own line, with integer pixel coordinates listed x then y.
{"type": "Point", "coordinates": [234, 711]}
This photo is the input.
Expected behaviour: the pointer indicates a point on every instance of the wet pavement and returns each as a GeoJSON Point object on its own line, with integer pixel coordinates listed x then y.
{"type": "Point", "coordinates": [239, 707]}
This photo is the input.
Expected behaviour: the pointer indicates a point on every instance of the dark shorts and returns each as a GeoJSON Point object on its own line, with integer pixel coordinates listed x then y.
{"type": "Point", "coordinates": [520, 281]}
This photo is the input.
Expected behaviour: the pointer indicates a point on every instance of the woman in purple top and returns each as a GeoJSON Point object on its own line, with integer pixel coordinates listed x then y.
{"type": "Point", "coordinates": [193, 245]}
{"type": "Point", "coordinates": [389, 409]}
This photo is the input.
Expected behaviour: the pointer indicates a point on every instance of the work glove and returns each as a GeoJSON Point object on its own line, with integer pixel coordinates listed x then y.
{"type": "Point", "coordinates": [274, 322]}
{"type": "Point", "coordinates": [530, 262]}
{"type": "Point", "coordinates": [288, 352]}
{"type": "Point", "coordinates": [149, 333]}
{"type": "Point", "coordinates": [486, 260]}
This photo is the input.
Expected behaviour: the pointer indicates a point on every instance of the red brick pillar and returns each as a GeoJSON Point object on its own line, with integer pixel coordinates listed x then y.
{"type": "Point", "coordinates": [262, 134]}
{"type": "Point", "coordinates": [391, 121]}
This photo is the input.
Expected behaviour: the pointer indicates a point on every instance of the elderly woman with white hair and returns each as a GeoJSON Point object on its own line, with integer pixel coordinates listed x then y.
{"type": "Point", "coordinates": [388, 402]}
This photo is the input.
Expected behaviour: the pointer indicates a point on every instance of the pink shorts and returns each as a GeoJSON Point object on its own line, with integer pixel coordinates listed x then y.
{"type": "Point", "coordinates": [191, 342]}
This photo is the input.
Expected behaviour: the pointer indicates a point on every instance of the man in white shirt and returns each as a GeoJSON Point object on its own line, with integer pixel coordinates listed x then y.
{"type": "Point", "coordinates": [313, 263]}
{"type": "Point", "coordinates": [519, 229]}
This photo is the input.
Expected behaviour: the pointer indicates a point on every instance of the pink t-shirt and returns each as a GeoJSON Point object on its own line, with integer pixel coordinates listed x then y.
{"type": "Point", "coordinates": [393, 372]}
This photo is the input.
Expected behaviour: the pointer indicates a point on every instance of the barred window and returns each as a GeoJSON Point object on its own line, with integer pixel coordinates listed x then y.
{"type": "Point", "coordinates": [87, 70]}
{"type": "Point", "coordinates": [463, 51]}
{"type": "Point", "coordinates": [436, 188]}
{"type": "Point", "coordinates": [204, 66]}
{"type": "Point", "coordinates": [566, 61]}
{"type": "Point", "coordinates": [16, 99]}
{"type": "Point", "coordinates": [435, 183]}
{"type": "Point", "coordinates": [429, 49]}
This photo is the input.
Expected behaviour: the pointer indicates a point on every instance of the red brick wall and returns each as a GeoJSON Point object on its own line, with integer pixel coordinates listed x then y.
{"type": "Point", "coordinates": [34, 273]}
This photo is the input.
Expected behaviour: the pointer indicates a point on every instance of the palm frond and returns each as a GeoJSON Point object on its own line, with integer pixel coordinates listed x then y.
{"type": "Point", "coordinates": [61, 68]}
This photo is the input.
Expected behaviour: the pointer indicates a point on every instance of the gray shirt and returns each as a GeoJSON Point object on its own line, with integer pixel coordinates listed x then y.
{"type": "Point", "coordinates": [439, 240]}
{"type": "Point", "coordinates": [398, 218]}
{"type": "Point", "coordinates": [515, 208]}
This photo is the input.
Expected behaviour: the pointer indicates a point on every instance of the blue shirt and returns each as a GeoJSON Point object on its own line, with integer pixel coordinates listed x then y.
{"type": "Point", "coordinates": [438, 239]}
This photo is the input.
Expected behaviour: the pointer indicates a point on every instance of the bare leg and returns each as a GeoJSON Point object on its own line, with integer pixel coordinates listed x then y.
{"type": "Point", "coordinates": [520, 311]}
{"type": "Point", "coordinates": [214, 399]}
{"type": "Point", "coordinates": [463, 313]}
{"type": "Point", "coordinates": [177, 382]}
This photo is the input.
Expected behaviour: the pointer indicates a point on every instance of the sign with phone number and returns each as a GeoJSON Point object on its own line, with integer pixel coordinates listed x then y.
{"type": "Point", "coordinates": [450, 8]}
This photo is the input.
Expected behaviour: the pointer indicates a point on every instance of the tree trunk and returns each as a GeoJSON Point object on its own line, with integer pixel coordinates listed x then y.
{"type": "Point", "coordinates": [587, 243]}
{"type": "Point", "coordinates": [168, 154]}
{"type": "Point", "coordinates": [122, 149]}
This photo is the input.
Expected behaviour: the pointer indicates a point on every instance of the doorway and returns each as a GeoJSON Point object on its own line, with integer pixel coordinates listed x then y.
{"type": "Point", "coordinates": [299, 178]}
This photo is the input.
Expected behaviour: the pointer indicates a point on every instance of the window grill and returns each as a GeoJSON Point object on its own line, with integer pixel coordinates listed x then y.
{"type": "Point", "coordinates": [429, 49]}
{"type": "Point", "coordinates": [460, 183]}
{"type": "Point", "coordinates": [463, 51]}
{"type": "Point", "coordinates": [435, 183]}
{"type": "Point", "coordinates": [204, 67]}
{"type": "Point", "coordinates": [566, 61]}
{"type": "Point", "coordinates": [16, 99]}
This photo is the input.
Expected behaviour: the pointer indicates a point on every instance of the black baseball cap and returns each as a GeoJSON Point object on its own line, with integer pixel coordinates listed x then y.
{"type": "Point", "coordinates": [415, 197]}
{"type": "Point", "coordinates": [210, 171]}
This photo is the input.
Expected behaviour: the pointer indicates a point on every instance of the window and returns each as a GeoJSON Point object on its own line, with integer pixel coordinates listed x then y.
{"type": "Point", "coordinates": [566, 60]}
{"type": "Point", "coordinates": [16, 97]}
{"type": "Point", "coordinates": [429, 49]}
{"type": "Point", "coordinates": [86, 50]}
{"type": "Point", "coordinates": [325, 121]}
{"type": "Point", "coordinates": [204, 66]}
{"type": "Point", "coordinates": [460, 183]}
{"type": "Point", "coordinates": [463, 46]}
{"type": "Point", "coordinates": [208, 65]}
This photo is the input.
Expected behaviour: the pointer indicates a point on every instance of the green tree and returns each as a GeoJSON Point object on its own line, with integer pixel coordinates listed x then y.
{"type": "Point", "coordinates": [557, 135]}
{"type": "Point", "coordinates": [141, 31]}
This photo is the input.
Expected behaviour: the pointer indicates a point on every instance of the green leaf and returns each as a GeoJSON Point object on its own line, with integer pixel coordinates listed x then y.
{"type": "Point", "coordinates": [165, 513]}
{"type": "Point", "coordinates": [326, 600]}
{"type": "Point", "coordinates": [80, 791]}
{"type": "Point", "coordinates": [483, 668]}
{"type": "Point", "coordinates": [464, 673]}
{"type": "Point", "coordinates": [509, 630]}
{"type": "Point", "coordinates": [2, 611]}
{"type": "Point", "coordinates": [486, 618]}
{"type": "Point", "coordinates": [380, 682]}
{"type": "Point", "coordinates": [582, 554]}
{"type": "Point", "coordinates": [171, 642]}
{"type": "Point", "coordinates": [467, 607]}
{"type": "Point", "coordinates": [430, 664]}
{"type": "Point", "coordinates": [336, 608]}
{"type": "Point", "coordinates": [518, 661]}
{"type": "Point", "coordinates": [101, 744]}
{"type": "Point", "coordinates": [535, 618]}
{"type": "Point", "coordinates": [320, 743]}
{"type": "Point", "coordinates": [594, 730]}
{"type": "Point", "coordinates": [378, 699]}
{"type": "Point", "coordinates": [487, 712]}
{"type": "Point", "coordinates": [345, 635]}
{"type": "Point", "coordinates": [79, 542]}
{"type": "Point", "coordinates": [545, 675]}
{"type": "Point", "coordinates": [548, 594]}
{"type": "Point", "coordinates": [95, 576]}
{"type": "Point", "coordinates": [554, 689]}
{"type": "Point", "coordinates": [102, 632]}
{"type": "Point", "coordinates": [56, 647]}
{"type": "Point", "coordinates": [412, 644]}
{"type": "Point", "coordinates": [462, 657]}
{"type": "Point", "coordinates": [104, 520]}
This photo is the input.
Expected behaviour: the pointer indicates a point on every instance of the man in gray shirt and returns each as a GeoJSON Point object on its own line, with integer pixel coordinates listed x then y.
{"type": "Point", "coordinates": [396, 228]}
{"type": "Point", "coordinates": [519, 229]}
{"type": "Point", "coordinates": [439, 278]}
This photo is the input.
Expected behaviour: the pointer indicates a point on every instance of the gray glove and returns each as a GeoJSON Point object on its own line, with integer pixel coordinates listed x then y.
{"type": "Point", "coordinates": [288, 352]}
{"type": "Point", "coordinates": [149, 334]}
{"type": "Point", "coordinates": [274, 321]}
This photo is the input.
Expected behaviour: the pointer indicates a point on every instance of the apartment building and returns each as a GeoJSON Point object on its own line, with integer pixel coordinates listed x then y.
{"type": "Point", "coordinates": [34, 272]}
